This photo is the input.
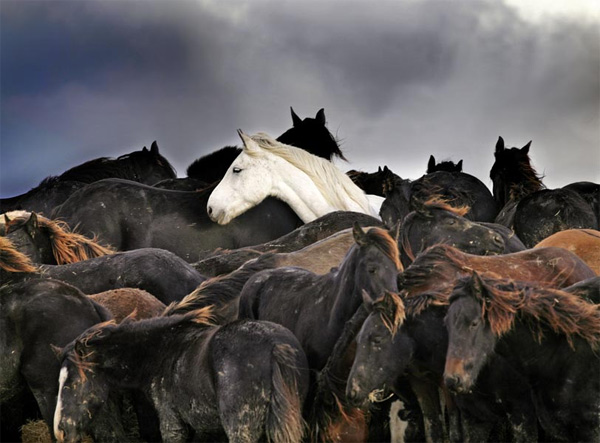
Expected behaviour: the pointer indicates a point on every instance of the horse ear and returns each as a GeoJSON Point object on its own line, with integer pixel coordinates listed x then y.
{"type": "Point", "coordinates": [295, 119]}
{"type": "Point", "coordinates": [249, 144]}
{"type": "Point", "coordinates": [359, 235]}
{"type": "Point", "coordinates": [500, 144]}
{"type": "Point", "coordinates": [385, 168]}
{"type": "Point", "coordinates": [477, 283]}
{"type": "Point", "coordinates": [525, 149]}
{"type": "Point", "coordinates": [395, 230]}
{"type": "Point", "coordinates": [56, 351]}
{"type": "Point", "coordinates": [320, 117]}
{"type": "Point", "coordinates": [154, 147]}
{"type": "Point", "coordinates": [459, 166]}
{"type": "Point", "coordinates": [6, 219]}
{"type": "Point", "coordinates": [367, 300]}
{"type": "Point", "coordinates": [32, 224]}
{"type": "Point", "coordinates": [144, 149]}
{"type": "Point", "coordinates": [379, 170]}
{"type": "Point", "coordinates": [430, 164]}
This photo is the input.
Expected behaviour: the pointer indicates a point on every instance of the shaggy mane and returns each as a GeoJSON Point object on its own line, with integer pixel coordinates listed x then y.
{"type": "Point", "coordinates": [67, 246]}
{"type": "Point", "coordinates": [11, 260]}
{"type": "Point", "coordinates": [331, 182]}
{"type": "Point", "coordinates": [386, 244]}
{"type": "Point", "coordinates": [503, 300]}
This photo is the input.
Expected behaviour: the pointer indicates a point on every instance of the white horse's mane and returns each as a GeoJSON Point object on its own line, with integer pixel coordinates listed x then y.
{"type": "Point", "coordinates": [333, 184]}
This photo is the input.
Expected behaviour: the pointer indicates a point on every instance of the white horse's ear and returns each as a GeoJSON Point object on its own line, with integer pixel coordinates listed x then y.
{"type": "Point", "coordinates": [249, 144]}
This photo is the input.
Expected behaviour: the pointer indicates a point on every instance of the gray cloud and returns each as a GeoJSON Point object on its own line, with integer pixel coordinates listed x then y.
{"type": "Point", "coordinates": [398, 81]}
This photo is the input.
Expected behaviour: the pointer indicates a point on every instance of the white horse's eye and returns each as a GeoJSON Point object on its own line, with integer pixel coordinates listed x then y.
{"type": "Point", "coordinates": [236, 170]}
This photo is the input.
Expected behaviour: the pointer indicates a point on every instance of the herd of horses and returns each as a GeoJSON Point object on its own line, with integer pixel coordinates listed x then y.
{"type": "Point", "coordinates": [270, 296]}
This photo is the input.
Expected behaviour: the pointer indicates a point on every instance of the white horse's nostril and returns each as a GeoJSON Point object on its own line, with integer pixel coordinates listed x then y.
{"type": "Point", "coordinates": [209, 210]}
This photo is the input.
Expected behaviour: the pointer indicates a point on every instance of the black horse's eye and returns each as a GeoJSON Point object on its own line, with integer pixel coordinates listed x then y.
{"type": "Point", "coordinates": [236, 170]}
{"type": "Point", "coordinates": [376, 340]}
{"type": "Point", "coordinates": [474, 323]}
{"type": "Point", "coordinates": [451, 221]}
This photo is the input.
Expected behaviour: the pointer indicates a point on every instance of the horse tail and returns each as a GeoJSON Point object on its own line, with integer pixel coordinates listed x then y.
{"type": "Point", "coordinates": [284, 422]}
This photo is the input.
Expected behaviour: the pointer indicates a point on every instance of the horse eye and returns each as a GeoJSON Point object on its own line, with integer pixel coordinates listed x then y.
{"type": "Point", "coordinates": [475, 323]}
{"type": "Point", "coordinates": [236, 170]}
{"type": "Point", "coordinates": [376, 340]}
{"type": "Point", "coordinates": [451, 221]}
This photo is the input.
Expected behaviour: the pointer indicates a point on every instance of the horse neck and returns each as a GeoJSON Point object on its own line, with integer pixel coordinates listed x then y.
{"type": "Point", "coordinates": [348, 296]}
{"type": "Point", "coordinates": [296, 188]}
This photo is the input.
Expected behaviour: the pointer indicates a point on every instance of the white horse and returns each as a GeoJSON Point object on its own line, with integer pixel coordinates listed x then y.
{"type": "Point", "coordinates": [310, 185]}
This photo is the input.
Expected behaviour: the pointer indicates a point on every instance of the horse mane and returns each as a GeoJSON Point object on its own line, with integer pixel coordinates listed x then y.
{"type": "Point", "coordinates": [438, 202]}
{"type": "Point", "coordinates": [415, 305]}
{"type": "Point", "coordinates": [84, 346]}
{"type": "Point", "coordinates": [221, 291]}
{"type": "Point", "coordinates": [333, 184]}
{"type": "Point", "coordinates": [429, 265]}
{"type": "Point", "coordinates": [391, 310]}
{"type": "Point", "coordinates": [502, 300]}
{"type": "Point", "coordinates": [11, 260]}
{"type": "Point", "coordinates": [382, 239]}
{"type": "Point", "coordinates": [522, 179]}
{"type": "Point", "coordinates": [67, 246]}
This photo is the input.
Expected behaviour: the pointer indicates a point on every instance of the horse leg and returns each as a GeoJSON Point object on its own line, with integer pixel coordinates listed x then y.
{"type": "Point", "coordinates": [433, 420]}
{"type": "Point", "coordinates": [242, 418]}
{"type": "Point", "coordinates": [172, 428]}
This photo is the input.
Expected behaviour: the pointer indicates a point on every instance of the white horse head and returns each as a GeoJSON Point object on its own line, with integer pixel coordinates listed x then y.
{"type": "Point", "coordinates": [312, 186]}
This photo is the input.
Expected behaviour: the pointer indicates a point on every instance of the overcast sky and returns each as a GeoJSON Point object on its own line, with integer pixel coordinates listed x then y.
{"type": "Point", "coordinates": [399, 80]}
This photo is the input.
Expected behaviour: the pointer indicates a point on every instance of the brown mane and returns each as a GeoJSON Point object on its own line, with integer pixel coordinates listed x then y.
{"type": "Point", "coordinates": [502, 300]}
{"type": "Point", "coordinates": [386, 244]}
{"type": "Point", "coordinates": [390, 308]}
{"type": "Point", "coordinates": [11, 260]}
{"type": "Point", "coordinates": [67, 246]}
{"type": "Point", "coordinates": [83, 350]}
{"type": "Point", "coordinates": [438, 202]}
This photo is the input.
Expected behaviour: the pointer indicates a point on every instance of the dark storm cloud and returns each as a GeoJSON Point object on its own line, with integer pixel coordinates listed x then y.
{"type": "Point", "coordinates": [398, 81]}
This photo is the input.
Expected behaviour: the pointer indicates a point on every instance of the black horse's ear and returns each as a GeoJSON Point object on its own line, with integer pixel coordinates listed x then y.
{"type": "Point", "coordinates": [359, 235]}
{"type": "Point", "coordinates": [367, 300]}
{"type": "Point", "coordinates": [320, 117]}
{"type": "Point", "coordinates": [379, 170]}
{"type": "Point", "coordinates": [477, 283]}
{"type": "Point", "coordinates": [56, 351]}
{"type": "Point", "coordinates": [295, 119]}
{"type": "Point", "coordinates": [154, 147]}
{"type": "Point", "coordinates": [459, 166]}
{"type": "Point", "coordinates": [31, 225]}
{"type": "Point", "coordinates": [525, 149]}
{"type": "Point", "coordinates": [394, 231]}
{"type": "Point", "coordinates": [500, 144]}
{"type": "Point", "coordinates": [430, 164]}
{"type": "Point", "coordinates": [385, 168]}
{"type": "Point", "coordinates": [144, 149]}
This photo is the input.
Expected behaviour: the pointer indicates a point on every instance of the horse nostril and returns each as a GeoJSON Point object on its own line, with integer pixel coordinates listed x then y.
{"type": "Point", "coordinates": [452, 383]}
{"type": "Point", "coordinates": [209, 210]}
{"type": "Point", "coordinates": [498, 240]}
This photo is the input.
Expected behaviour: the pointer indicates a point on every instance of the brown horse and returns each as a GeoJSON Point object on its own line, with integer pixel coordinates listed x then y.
{"type": "Point", "coordinates": [123, 302]}
{"type": "Point", "coordinates": [584, 243]}
{"type": "Point", "coordinates": [438, 268]}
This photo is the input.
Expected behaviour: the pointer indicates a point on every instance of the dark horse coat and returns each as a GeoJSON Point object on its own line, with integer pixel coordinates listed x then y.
{"type": "Point", "coordinates": [245, 380]}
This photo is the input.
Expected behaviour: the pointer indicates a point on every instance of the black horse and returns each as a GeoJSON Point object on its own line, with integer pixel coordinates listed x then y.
{"type": "Point", "coordinates": [550, 336]}
{"type": "Point", "coordinates": [305, 302]}
{"type": "Point", "coordinates": [532, 211]}
{"type": "Point", "coordinates": [145, 166]}
{"type": "Point", "coordinates": [51, 242]}
{"type": "Point", "coordinates": [408, 337]}
{"type": "Point", "coordinates": [438, 222]}
{"type": "Point", "coordinates": [128, 215]}
{"type": "Point", "coordinates": [33, 316]}
{"type": "Point", "coordinates": [310, 134]}
{"type": "Point", "coordinates": [244, 381]}
{"type": "Point", "coordinates": [160, 272]}
{"type": "Point", "coordinates": [447, 165]}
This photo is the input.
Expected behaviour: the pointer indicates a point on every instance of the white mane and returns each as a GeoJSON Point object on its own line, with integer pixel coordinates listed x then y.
{"type": "Point", "coordinates": [335, 186]}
